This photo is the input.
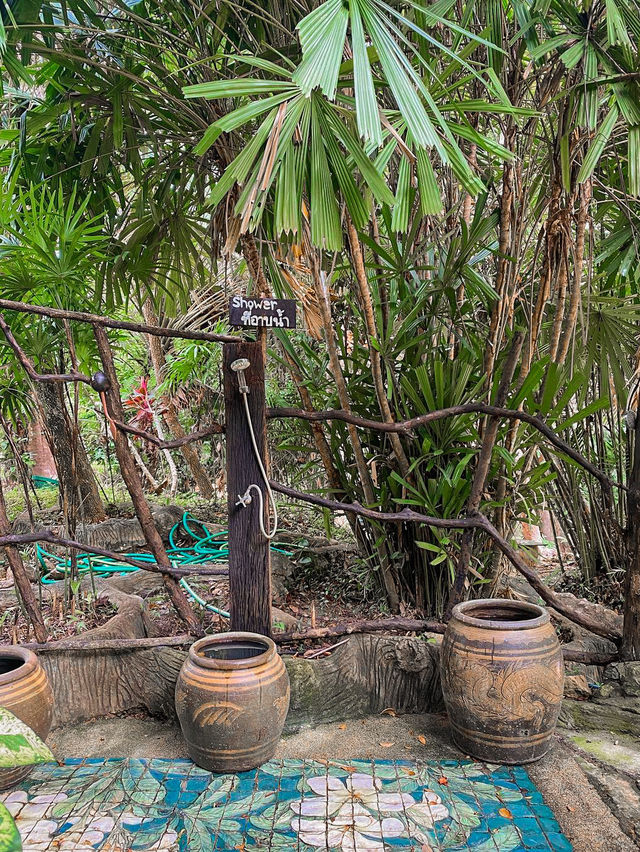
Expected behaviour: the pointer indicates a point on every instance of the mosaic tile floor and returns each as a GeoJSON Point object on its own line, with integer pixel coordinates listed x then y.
{"type": "Point", "coordinates": [157, 805]}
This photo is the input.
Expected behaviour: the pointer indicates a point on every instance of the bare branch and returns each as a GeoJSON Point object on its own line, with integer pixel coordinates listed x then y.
{"type": "Point", "coordinates": [595, 622]}
{"type": "Point", "coordinates": [406, 427]}
{"type": "Point", "coordinates": [106, 322]}
{"type": "Point", "coordinates": [73, 376]}
{"type": "Point", "coordinates": [345, 628]}
{"type": "Point", "coordinates": [112, 644]}
{"type": "Point", "coordinates": [199, 435]}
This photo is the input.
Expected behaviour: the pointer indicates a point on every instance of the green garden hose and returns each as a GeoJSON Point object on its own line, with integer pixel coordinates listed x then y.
{"type": "Point", "coordinates": [205, 547]}
{"type": "Point", "coordinates": [44, 481]}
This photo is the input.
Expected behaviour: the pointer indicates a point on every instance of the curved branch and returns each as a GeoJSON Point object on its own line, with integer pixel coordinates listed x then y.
{"type": "Point", "coordinates": [106, 322]}
{"type": "Point", "coordinates": [73, 376]}
{"type": "Point", "coordinates": [595, 622]}
{"type": "Point", "coordinates": [346, 628]}
{"type": "Point", "coordinates": [406, 427]}
{"type": "Point", "coordinates": [199, 435]}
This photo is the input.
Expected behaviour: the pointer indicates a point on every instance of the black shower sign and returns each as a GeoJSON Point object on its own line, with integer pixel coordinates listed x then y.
{"type": "Point", "coordinates": [249, 312]}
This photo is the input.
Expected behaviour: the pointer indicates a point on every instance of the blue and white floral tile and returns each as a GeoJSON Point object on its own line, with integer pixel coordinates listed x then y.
{"type": "Point", "coordinates": [127, 805]}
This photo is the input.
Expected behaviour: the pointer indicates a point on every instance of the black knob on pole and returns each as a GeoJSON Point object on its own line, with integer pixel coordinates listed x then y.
{"type": "Point", "coordinates": [100, 382]}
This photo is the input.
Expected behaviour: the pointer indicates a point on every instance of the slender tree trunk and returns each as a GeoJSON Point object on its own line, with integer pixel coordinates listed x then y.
{"type": "Point", "coordinates": [578, 264]}
{"type": "Point", "coordinates": [374, 354]}
{"type": "Point", "coordinates": [481, 473]}
{"type": "Point", "coordinates": [170, 414]}
{"type": "Point", "coordinates": [322, 295]}
{"type": "Point", "coordinates": [113, 405]}
{"type": "Point", "coordinates": [20, 578]}
{"type": "Point", "coordinates": [497, 320]}
{"type": "Point", "coordinates": [43, 463]}
{"type": "Point", "coordinates": [153, 482]}
{"type": "Point", "coordinates": [630, 649]}
{"type": "Point", "coordinates": [59, 433]}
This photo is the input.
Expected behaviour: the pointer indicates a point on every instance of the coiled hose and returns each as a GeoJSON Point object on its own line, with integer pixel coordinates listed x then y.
{"type": "Point", "coordinates": [204, 547]}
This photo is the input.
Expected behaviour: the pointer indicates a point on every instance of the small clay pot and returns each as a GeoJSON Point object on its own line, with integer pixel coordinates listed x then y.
{"type": "Point", "coordinates": [502, 679]}
{"type": "Point", "coordinates": [25, 691]}
{"type": "Point", "coordinates": [232, 698]}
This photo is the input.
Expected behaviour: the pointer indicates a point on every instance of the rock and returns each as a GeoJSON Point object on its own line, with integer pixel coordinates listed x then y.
{"type": "Point", "coordinates": [620, 793]}
{"type": "Point", "coordinates": [625, 677]}
{"type": "Point", "coordinates": [618, 715]}
{"type": "Point", "coordinates": [120, 535]}
{"type": "Point", "coordinates": [615, 706]}
{"type": "Point", "coordinates": [330, 558]}
{"type": "Point", "coordinates": [281, 575]}
{"type": "Point", "coordinates": [576, 686]}
{"type": "Point", "coordinates": [279, 617]}
{"type": "Point", "coordinates": [587, 642]}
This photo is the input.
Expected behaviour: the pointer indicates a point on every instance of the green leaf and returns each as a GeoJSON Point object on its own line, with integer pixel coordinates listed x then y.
{"type": "Point", "coordinates": [238, 170]}
{"type": "Point", "coordinates": [367, 116]}
{"type": "Point", "coordinates": [548, 46]}
{"type": "Point", "coordinates": [616, 29]}
{"type": "Point", "coordinates": [400, 215]}
{"type": "Point", "coordinates": [633, 151]}
{"type": "Point", "coordinates": [322, 36]}
{"type": "Point", "coordinates": [19, 745]}
{"type": "Point", "coordinates": [400, 76]}
{"type": "Point", "coordinates": [430, 198]}
{"type": "Point", "coordinates": [494, 22]}
{"type": "Point", "coordinates": [235, 88]}
{"type": "Point", "coordinates": [367, 168]}
{"type": "Point", "coordinates": [596, 405]}
{"type": "Point", "coordinates": [598, 145]}
{"type": "Point", "coordinates": [9, 835]}
{"type": "Point", "coordinates": [236, 118]}
{"type": "Point", "coordinates": [325, 216]}
{"type": "Point", "coordinates": [352, 194]}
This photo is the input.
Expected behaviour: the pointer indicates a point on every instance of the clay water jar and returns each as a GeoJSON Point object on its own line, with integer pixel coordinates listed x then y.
{"type": "Point", "coordinates": [232, 698]}
{"type": "Point", "coordinates": [502, 680]}
{"type": "Point", "coordinates": [25, 691]}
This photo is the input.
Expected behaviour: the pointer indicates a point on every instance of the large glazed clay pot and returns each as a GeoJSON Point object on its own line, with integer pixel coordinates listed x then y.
{"type": "Point", "coordinates": [502, 679]}
{"type": "Point", "coordinates": [25, 691]}
{"type": "Point", "coordinates": [232, 698]}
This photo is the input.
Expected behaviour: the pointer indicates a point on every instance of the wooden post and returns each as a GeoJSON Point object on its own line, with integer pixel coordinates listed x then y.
{"type": "Point", "coordinates": [249, 553]}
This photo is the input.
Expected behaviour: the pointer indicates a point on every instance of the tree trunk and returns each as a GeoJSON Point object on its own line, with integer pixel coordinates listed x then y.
{"type": "Point", "coordinates": [23, 586]}
{"type": "Point", "coordinates": [170, 414]}
{"type": "Point", "coordinates": [43, 463]}
{"type": "Point", "coordinates": [59, 434]}
{"type": "Point", "coordinates": [113, 409]}
{"type": "Point", "coordinates": [630, 649]}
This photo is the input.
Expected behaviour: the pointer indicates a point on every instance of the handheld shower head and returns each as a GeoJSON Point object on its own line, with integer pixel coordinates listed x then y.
{"type": "Point", "coordinates": [239, 366]}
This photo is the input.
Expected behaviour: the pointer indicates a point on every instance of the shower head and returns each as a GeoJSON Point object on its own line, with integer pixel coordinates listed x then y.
{"type": "Point", "coordinates": [239, 366]}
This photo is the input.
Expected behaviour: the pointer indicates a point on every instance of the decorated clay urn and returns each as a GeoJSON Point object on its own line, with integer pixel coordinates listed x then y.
{"type": "Point", "coordinates": [232, 698]}
{"type": "Point", "coordinates": [25, 691]}
{"type": "Point", "coordinates": [502, 679]}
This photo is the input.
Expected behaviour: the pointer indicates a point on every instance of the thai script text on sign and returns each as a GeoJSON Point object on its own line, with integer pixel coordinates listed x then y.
{"type": "Point", "coordinates": [246, 312]}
